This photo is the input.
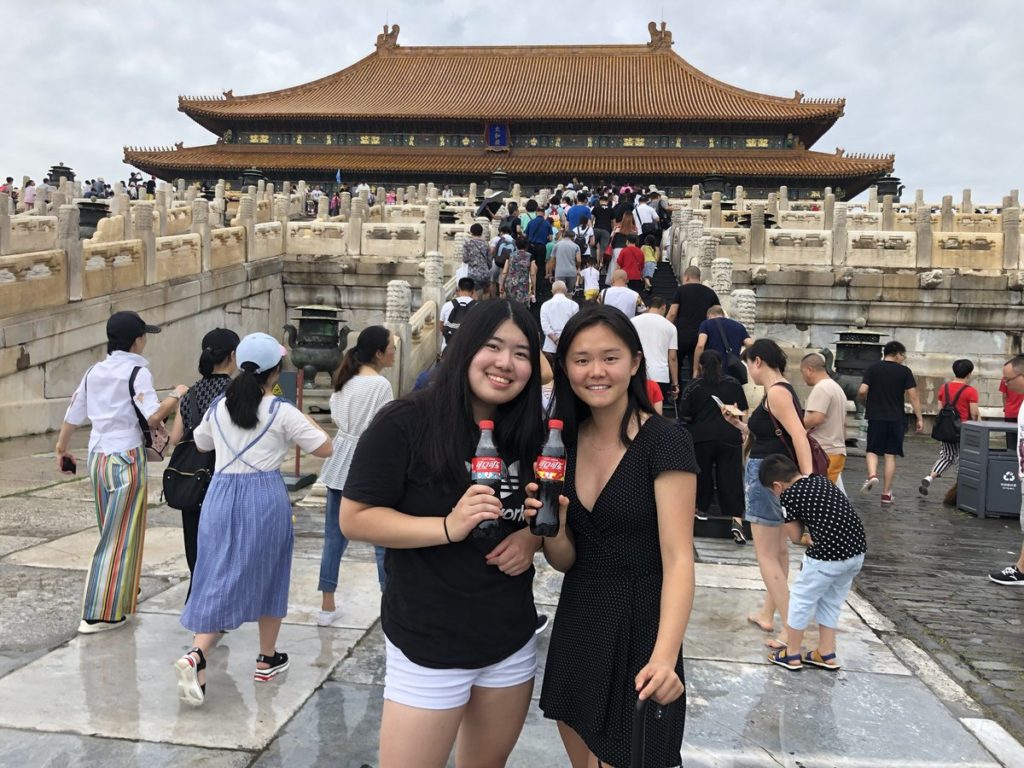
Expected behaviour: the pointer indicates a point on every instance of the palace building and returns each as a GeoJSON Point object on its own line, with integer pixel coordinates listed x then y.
{"type": "Point", "coordinates": [543, 114]}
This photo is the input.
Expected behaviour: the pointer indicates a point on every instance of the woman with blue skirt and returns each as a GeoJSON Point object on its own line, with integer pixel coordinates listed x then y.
{"type": "Point", "coordinates": [244, 558]}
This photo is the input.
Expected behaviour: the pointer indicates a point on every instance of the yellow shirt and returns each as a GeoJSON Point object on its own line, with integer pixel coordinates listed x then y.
{"type": "Point", "coordinates": [649, 253]}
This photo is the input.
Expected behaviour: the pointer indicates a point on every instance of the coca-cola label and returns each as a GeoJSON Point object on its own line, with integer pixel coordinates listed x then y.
{"type": "Point", "coordinates": [551, 468]}
{"type": "Point", "coordinates": [486, 467]}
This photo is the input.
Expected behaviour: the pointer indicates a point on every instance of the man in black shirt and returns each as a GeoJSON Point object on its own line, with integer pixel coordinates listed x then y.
{"type": "Point", "coordinates": [602, 223]}
{"type": "Point", "coordinates": [882, 390]}
{"type": "Point", "coordinates": [834, 557]}
{"type": "Point", "coordinates": [689, 309]}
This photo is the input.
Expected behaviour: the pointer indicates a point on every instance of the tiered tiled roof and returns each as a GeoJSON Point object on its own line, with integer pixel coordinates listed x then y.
{"type": "Point", "coordinates": [605, 82]}
{"type": "Point", "coordinates": [607, 163]}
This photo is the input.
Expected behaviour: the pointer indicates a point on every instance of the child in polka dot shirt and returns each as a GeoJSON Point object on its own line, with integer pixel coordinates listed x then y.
{"type": "Point", "coordinates": [834, 557]}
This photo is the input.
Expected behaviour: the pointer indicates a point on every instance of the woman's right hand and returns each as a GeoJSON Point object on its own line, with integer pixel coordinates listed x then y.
{"type": "Point", "coordinates": [735, 420]}
{"type": "Point", "coordinates": [533, 504]}
{"type": "Point", "coordinates": [478, 503]}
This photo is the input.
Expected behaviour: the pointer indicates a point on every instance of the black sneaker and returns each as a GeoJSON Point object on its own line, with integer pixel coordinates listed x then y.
{"type": "Point", "coordinates": [542, 623]}
{"type": "Point", "coordinates": [701, 515]}
{"type": "Point", "coordinates": [1010, 575]}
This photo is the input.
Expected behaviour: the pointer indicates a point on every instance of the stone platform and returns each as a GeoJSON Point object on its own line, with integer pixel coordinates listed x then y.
{"type": "Point", "coordinates": [72, 700]}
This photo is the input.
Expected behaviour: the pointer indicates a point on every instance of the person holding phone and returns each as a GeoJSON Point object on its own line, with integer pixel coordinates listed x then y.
{"type": "Point", "coordinates": [117, 466]}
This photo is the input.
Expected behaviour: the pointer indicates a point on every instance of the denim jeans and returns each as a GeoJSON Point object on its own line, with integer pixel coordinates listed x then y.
{"type": "Point", "coordinates": [335, 545]}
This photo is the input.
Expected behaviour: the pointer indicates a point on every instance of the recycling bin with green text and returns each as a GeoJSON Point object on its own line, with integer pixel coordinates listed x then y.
{"type": "Point", "coordinates": [988, 484]}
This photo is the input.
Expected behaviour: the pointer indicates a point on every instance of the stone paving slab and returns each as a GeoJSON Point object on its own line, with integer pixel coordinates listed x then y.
{"type": "Point", "coordinates": [163, 553]}
{"type": "Point", "coordinates": [10, 544]}
{"type": "Point", "coordinates": [44, 518]}
{"type": "Point", "coordinates": [121, 685]}
{"type": "Point", "coordinates": [26, 748]}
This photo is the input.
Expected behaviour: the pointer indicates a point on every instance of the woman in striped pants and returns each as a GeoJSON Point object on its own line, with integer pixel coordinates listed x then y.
{"type": "Point", "coordinates": [117, 466]}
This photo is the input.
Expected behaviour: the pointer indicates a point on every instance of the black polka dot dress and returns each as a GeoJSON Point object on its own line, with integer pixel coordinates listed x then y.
{"type": "Point", "coordinates": [607, 619]}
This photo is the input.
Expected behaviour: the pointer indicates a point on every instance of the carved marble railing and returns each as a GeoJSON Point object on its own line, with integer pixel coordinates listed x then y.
{"type": "Point", "coordinates": [268, 240]}
{"type": "Point", "coordinates": [111, 267]}
{"type": "Point", "coordinates": [177, 256]}
{"type": "Point", "coordinates": [393, 240]}
{"type": "Point", "coordinates": [29, 234]}
{"type": "Point", "coordinates": [227, 246]}
{"type": "Point", "coordinates": [317, 238]}
{"type": "Point", "coordinates": [32, 281]}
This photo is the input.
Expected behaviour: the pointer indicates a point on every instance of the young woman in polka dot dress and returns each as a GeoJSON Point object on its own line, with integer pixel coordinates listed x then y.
{"type": "Point", "coordinates": [626, 547]}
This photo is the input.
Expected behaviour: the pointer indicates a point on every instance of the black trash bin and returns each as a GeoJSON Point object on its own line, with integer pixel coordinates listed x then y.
{"type": "Point", "coordinates": [987, 483]}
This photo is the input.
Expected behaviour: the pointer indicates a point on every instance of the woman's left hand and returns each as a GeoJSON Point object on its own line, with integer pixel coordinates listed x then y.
{"type": "Point", "coordinates": [514, 555]}
{"type": "Point", "coordinates": [659, 681]}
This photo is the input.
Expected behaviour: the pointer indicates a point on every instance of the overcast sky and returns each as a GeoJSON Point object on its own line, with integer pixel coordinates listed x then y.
{"type": "Point", "coordinates": [937, 82]}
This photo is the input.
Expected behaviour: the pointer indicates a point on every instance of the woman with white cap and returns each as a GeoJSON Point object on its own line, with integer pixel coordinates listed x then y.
{"type": "Point", "coordinates": [118, 398]}
{"type": "Point", "coordinates": [244, 560]}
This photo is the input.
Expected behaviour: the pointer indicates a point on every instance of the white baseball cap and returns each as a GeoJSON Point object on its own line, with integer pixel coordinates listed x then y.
{"type": "Point", "coordinates": [262, 349]}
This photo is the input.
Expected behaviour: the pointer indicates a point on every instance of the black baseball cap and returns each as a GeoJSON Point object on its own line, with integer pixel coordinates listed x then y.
{"type": "Point", "coordinates": [128, 326]}
{"type": "Point", "coordinates": [220, 340]}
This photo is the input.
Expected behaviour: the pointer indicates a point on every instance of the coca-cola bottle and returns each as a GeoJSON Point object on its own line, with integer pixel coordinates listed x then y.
{"type": "Point", "coordinates": [550, 476]}
{"type": "Point", "coordinates": [485, 469]}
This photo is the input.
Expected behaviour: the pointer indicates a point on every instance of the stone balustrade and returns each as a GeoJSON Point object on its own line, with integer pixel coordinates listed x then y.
{"type": "Point", "coordinates": [177, 256]}
{"type": "Point", "coordinates": [227, 247]}
{"type": "Point", "coordinates": [112, 267]}
{"type": "Point", "coordinates": [29, 233]}
{"type": "Point", "coordinates": [33, 281]}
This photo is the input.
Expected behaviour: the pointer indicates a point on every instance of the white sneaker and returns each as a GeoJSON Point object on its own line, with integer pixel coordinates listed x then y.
{"type": "Point", "coordinates": [85, 628]}
{"type": "Point", "coordinates": [326, 618]}
{"type": "Point", "coordinates": [870, 483]}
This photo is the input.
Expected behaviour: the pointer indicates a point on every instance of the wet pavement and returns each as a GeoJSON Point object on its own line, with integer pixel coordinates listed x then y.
{"type": "Point", "coordinates": [932, 652]}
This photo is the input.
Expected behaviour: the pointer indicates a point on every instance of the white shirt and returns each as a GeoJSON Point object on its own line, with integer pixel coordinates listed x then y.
{"type": "Point", "coordinates": [289, 428]}
{"type": "Point", "coordinates": [621, 297]}
{"type": "Point", "coordinates": [554, 314]}
{"type": "Point", "coordinates": [102, 398]}
{"type": "Point", "coordinates": [446, 312]}
{"type": "Point", "coordinates": [352, 410]}
{"type": "Point", "coordinates": [591, 279]}
{"type": "Point", "coordinates": [657, 337]}
{"type": "Point", "coordinates": [644, 214]}
{"type": "Point", "coordinates": [586, 233]}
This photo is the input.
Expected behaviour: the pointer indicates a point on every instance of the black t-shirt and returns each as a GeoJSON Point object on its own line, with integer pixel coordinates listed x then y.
{"type": "Point", "coordinates": [602, 218]}
{"type": "Point", "coordinates": [887, 382]}
{"type": "Point", "coordinates": [694, 300]}
{"type": "Point", "coordinates": [706, 422]}
{"type": "Point", "coordinates": [834, 527]}
{"type": "Point", "coordinates": [762, 428]}
{"type": "Point", "coordinates": [444, 606]}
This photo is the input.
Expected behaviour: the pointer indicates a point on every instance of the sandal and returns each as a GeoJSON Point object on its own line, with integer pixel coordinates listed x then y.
{"type": "Point", "coordinates": [828, 661]}
{"type": "Point", "coordinates": [792, 663]}
{"type": "Point", "coordinates": [278, 663]}
{"type": "Point", "coordinates": [190, 690]}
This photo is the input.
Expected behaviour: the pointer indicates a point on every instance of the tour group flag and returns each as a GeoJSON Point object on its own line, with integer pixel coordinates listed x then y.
{"type": "Point", "coordinates": [337, 177]}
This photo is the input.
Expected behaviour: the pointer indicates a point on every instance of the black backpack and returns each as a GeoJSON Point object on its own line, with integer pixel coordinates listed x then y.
{"type": "Point", "coordinates": [190, 470]}
{"type": "Point", "coordinates": [946, 428]}
{"type": "Point", "coordinates": [580, 239]}
{"type": "Point", "coordinates": [502, 253]}
{"type": "Point", "coordinates": [732, 364]}
{"type": "Point", "coordinates": [451, 325]}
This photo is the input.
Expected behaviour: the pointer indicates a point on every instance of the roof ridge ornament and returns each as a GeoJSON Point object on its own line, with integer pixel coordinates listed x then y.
{"type": "Point", "coordinates": [661, 39]}
{"type": "Point", "coordinates": [388, 39]}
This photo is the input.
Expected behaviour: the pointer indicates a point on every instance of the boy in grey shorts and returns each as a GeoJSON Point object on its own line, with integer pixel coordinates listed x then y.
{"type": "Point", "coordinates": [834, 557]}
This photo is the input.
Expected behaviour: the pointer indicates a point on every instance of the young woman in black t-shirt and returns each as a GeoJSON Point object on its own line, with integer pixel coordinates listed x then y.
{"type": "Point", "coordinates": [458, 612]}
{"type": "Point", "coordinates": [766, 363]}
{"type": "Point", "coordinates": [626, 547]}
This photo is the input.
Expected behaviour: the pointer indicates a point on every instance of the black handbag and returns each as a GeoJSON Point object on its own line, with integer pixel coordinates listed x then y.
{"type": "Point", "coordinates": [946, 428]}
{"type": "Point", "coordinates": [732, 364]}
{"type": "Point", "coordinates": [190, 470]}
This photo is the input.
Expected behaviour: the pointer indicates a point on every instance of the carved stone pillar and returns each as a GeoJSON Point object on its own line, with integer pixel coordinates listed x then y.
{"type": "Point", "coordinates": [280, 214]}
{"type": "Point", "coordinates": [708, 254]}
{"type": "Point", "coordinates": [286, 189]}
{"type": "Point", "coordinates": [923, 231]}
{"type": "Point", "coordinates": [828, 211]}
{"type": "Point", "coordinates": [180, 183]}
{"type": "Point", "coordinates": [421, 194]}
{"type": "Point", "coordinates": [432, 226]}
{"type": "Point", "coordinates": [397, 311]}
{"type": "Point", "coordinates": [744, 308]}
{"type": "Point", "coordinates": [966, 206]}
{"type": "Point", "coordinates": [322, 208]}
{"type": "Point", "coordinates": [918, 199]}
{"type": "Point", "coordinates": [757, 238]}
{"type": "Point", "coordinates": [201, 227]}
{"type": "Point", "coordinates": [695, 197]}
{"type": "Point", "coordinates": [716, 209]}
{"type": "Point", "coordinates": [721, 276]}
{"type": "Point", "coordinates": [356, 217]}
{"type": "Point", "coordinates": [433, 286]}
{"type": "Point", "coordinates": [783, 198]}
{"type": "Point", "coordinates": [5, 223]}
{"type": "Point", "coordinates": [67, 241]}
{"type": "Point", "coordinates": [946, 222]}
{"type": "Point", "coordinates": [839, 235]}
{"type": "Point", "coordinates": [740, 197]}
{"type": "Point", "coordinates": [517, 192]}
{"type": "Point", "coordinates": [40, 205]}
{"type": "Point", "coordinates": [144, 232]}
{"type": "Point", "coordinates": [694, 232]}
{"type": "Point", "coordinates": [872, 199]}
{"type": "Point", "coordinates": [1011, 238]}
{"type": "Point", "coordinates": [888, 214]}
{"type": "Point", "coordinates": [345, 207]}
{"type": "Point", "coordinates": [472, 192]}
{"type": "Point", "coordinates": [247, 219]}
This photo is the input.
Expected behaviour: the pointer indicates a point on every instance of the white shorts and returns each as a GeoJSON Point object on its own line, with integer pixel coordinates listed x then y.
{"type": "Point", "coordinates": [406, 682]}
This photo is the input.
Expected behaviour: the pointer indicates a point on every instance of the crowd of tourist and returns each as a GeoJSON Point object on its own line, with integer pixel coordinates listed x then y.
{"type": "Point", "coordinates": [92, 189]}
{"type": "Point", "coordinates": [658, 428]}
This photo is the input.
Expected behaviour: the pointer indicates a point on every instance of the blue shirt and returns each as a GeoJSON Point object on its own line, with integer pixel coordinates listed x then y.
{"type": "Point", "coordinates": [735, 333]}
{"type": "Point", "coordinates": [575, 214]}
{"type": "Point", "coordinates": [539, 230]}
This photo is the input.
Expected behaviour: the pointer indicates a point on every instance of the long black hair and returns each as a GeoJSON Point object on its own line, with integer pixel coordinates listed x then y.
{"type": "Point", "coordinates": [245, 393]}
{"type": "Point", "coordinates": [710, 366]}
{"type": "Point", "coordinates": [568, 405]}
{"type": "Point", "coordinates": [371, 340]}
{"type": "Point", "coordinates": [218, 351]}
{"type": "Point", "coordinates": [450, 430]}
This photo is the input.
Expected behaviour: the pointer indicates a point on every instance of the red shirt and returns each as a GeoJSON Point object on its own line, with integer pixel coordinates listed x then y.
{"type": "Point", "coordinates": [654, 392]}
{"type": "Point", "coordinates": [631, 259]}
{"type": "Point", "coordinates": [1011, 401]}
{"type": "Point", "coordinates": [963, 403]}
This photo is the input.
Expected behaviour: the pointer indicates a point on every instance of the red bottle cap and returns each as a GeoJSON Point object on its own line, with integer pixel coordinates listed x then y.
{"type": "Point", "coordinates": [554, 424]}
{"type": "Point", "coordinates": [486, 424]}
